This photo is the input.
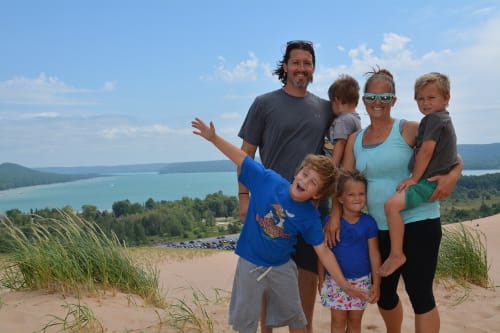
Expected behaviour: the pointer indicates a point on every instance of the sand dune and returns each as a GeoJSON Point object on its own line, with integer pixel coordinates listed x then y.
{"type": "Point", "coordinates": [474, 310]}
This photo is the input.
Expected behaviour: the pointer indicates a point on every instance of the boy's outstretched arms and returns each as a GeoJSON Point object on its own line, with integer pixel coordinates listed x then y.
{"type": "Point", "coordinates": [208, 132]}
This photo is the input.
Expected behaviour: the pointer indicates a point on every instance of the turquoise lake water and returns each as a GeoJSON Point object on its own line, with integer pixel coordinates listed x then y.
{"type": "Point", "coordinates": [103, 192]}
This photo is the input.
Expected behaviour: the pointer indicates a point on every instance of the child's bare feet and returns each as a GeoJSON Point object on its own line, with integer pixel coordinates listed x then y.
{"type": "Point", "coordinates": [391, 264]}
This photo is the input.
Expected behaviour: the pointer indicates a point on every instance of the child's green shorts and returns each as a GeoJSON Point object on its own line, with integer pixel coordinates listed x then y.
{"type": "Point", "coordinates": [419, 193]}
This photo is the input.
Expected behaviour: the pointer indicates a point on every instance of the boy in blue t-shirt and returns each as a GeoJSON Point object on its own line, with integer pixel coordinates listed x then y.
{"type": "Point", "coordinates": [278, 211]}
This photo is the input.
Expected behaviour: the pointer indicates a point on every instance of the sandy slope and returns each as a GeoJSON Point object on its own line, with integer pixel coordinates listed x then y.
{"type": "Point", "coordinates": [211, 277]}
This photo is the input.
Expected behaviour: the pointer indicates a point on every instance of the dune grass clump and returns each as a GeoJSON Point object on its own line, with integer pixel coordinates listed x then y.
{"type": "Point", "coordinates": [79, 318]}
{"type": "Point", "coordinates": [463, 257]}
{"type": "Point", "coordinates": [194, 316]}
{"type": "Point", "coordinates": [73, 255]}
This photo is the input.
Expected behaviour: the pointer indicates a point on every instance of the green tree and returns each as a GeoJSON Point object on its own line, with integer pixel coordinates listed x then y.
{"type": "Point", "coordinates": [150, 204]}
{"type": "Point", "coordinates": [125, 207]}
{"type": "Point", "coordinates": [90, 212]}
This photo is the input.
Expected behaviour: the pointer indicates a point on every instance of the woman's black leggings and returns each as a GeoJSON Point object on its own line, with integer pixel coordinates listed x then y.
{"type": "Point", "coordinates": [421, 247]}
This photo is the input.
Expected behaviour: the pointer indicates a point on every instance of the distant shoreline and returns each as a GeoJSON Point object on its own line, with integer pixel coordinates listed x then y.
{"type": "Point", "coordinates": [465, 172]}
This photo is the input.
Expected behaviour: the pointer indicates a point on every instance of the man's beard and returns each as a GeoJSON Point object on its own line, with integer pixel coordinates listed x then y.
{"type": "Point", "coordinates": [301, 83]}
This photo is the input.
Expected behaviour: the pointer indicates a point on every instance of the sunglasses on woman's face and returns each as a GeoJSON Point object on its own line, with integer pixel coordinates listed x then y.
{"type": "Point", "coordinates": [384, 98]}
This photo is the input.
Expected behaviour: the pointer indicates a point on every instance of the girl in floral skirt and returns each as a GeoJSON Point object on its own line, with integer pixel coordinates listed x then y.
{"type": "Point", "coordinates": [357, 253]}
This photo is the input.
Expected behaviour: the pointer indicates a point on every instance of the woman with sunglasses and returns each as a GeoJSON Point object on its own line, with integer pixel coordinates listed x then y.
{"type": "Point", "coordinates": [382, 152]}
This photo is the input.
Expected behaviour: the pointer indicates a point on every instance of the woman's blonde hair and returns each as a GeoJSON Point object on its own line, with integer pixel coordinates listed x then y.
{"type": "Point", "coordinates": [383, 74]}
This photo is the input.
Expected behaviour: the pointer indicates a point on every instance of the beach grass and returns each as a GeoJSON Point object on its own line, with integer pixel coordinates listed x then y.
{"type": "Point", "coordinates": [463, 256]}
{"type": "Point", "coordinates": [194, 315]}
{"type": "Point", "coordinates": [156, 255]}
{"type": "Point", "coordinates": [70, 254]}
{"type": "Point", "coordinates": [78, 318]}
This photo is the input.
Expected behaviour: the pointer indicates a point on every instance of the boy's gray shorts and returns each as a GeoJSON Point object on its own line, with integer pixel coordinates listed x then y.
{"type": "Point", "coordinates": [280, 287]}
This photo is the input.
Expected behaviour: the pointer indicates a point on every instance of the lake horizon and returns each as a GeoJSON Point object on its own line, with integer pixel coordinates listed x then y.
{"type": "Point", "coordinates": [102, 192]}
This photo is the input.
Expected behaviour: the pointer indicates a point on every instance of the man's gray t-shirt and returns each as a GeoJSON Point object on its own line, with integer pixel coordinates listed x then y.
{"type": "Point", "coordinates": [286, 128]}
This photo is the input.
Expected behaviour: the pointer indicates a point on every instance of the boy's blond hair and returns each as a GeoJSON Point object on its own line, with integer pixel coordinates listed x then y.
{"type": "Point", "coordinates": [440, 80]}
{"type": "Point", "coordinates": [324, 166]}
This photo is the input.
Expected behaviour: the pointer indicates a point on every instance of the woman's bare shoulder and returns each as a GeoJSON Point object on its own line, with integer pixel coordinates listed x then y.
{"type": "Point", "coordinates": [410, 126]}
{"type": "Point", "coordinates": [409, 131]}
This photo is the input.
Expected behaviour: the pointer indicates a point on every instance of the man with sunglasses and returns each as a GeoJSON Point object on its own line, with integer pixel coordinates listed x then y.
{"type": "Point", "coordinates": [285, 125]}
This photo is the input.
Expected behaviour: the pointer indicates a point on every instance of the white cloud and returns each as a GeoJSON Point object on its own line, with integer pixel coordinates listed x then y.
{"type": "Point", "coordinates": [483, 11]}
{"type": "Point", "coordinates": [45, 90]}
{"type": "Point", "coordinates": [394, 43]}
{"type": "Point", "coordinates": [246, 70]}
{"type": "Point", "coordinates": [39, 115]}
{"type": "Point", "coordinates": [109, 86]}
{"type": "Point", "coordinates": [140, 131]}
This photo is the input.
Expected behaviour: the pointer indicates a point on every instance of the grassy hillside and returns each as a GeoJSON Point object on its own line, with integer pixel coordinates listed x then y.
{"type": "Point", "coordinates": [14, 175]}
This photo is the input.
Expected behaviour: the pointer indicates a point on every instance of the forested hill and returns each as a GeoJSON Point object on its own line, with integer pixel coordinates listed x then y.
{"type": "Point", "coordinates": [480, 157]}
{"type": "Point", "coordinates": [14, 175]}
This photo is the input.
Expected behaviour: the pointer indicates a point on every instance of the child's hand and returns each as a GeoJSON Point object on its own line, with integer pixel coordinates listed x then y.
{"type": "Point", "coordinates": [374, 295]}
{"type": "Point", "coordinates": [205, 131]}
{"type": "Point", "coordinates": [332, 232]}
{"type": "Point", "coordinates": [405, 184]}
{"type": "Point", "coordinates": [354, 292]}
{"type": "Point", "coordinates": [320, 285]}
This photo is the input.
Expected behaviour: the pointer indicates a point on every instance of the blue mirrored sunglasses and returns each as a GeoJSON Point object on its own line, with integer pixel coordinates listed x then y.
{"type": "Point", "coordinates": [384, 98]}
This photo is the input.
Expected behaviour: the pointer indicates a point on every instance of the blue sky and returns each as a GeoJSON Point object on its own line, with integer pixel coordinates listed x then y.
{"type": "Point", "coordinates": [118, 82]}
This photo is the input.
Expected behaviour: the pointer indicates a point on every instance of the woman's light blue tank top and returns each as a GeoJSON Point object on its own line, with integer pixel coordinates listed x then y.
{"type": "Point", "coordinates": [385, 165]}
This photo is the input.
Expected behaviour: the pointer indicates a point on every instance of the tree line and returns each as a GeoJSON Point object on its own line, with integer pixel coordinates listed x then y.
{"type": "Point", "coordinates": [474, 197]}
{"type": "Point", "coordinates": [188, 218]}
{"type": "Point", "coordinates": [151, 222]}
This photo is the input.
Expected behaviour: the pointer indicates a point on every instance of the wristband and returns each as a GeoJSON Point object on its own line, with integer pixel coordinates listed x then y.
{"type": "Point", "coordinates": [243, 193]}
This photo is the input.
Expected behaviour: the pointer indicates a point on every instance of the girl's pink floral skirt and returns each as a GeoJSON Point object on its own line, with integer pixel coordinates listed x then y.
{"type": "Point", "coordinates": [334, 297]}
